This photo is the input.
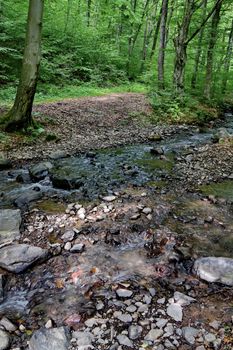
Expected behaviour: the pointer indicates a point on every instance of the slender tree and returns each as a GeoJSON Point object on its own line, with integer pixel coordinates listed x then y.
{"type": "Point", "coordinates": [199, 49]}
{"type": "Point", "coordinates": [20, 115]}
{"type": "Point", "coordinates": [162, 45]}
{"type": "Point", "coordinates": [227, 60]}
{"type": "Point", "coordinates": [210, 53]}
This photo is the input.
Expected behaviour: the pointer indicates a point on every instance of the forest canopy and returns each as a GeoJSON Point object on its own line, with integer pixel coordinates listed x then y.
{"type": "Point", "coordinates": [107, 43]}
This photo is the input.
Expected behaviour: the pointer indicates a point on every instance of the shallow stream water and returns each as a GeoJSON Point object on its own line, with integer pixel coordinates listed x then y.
{"type": "Point", "coordinates": [61, 287]}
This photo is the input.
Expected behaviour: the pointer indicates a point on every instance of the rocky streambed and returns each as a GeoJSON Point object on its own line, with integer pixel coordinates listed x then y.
{"type": "Point", "coordinates": [126, 248]}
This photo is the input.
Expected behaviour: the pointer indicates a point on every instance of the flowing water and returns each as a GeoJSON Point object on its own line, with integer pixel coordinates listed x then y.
{"type": "Point", "coordinates": [183, 225]}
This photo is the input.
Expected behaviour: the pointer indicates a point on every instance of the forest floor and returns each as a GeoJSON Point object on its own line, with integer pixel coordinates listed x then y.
{"type": "Point", "coordinates": [110, 266]}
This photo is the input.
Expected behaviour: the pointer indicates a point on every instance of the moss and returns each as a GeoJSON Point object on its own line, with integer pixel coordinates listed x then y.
{"type": "Point", "coordinates": [222, 190]}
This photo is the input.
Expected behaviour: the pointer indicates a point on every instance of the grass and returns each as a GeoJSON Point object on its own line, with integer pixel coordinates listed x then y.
{"type": "Point", "coordinates": [52, 93]}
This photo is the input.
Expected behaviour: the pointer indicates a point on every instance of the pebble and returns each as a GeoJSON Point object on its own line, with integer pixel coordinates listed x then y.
{"type": "Point", "coordinates": [68, 236]}
{"type": "Point", "coordinates": [210, 337]}
{"type": "Point", "coordinates": [124, 340]}
{"type": "Point", "coordinates": [109, 198]}
{"type": "Point", "coordinates": [190, 334]}
{"type": "Point", "coordinates": [134, 332]}
{"type": "Point", "coordinates": [78, 248]}
{"type": "Point", "coordinates": [147, 211]}
{"type": "Point", "coordinates": [67, 246]}
{"type": "Point", "coordinates": [161, 301]}
{"type": "Point", "coordinates": [124, 293]}
{"type": "Point", "coordinates": [7, 325]}
{"type": "Point", "coordinates": [175, 312]}
{"type": "Point", "coordinates": [154, 334]}
{"type": "Point", "coordinates": [4, 340]}
{"type": "Point", "coordinates": [126, 318]}
{"type": "Point", "coordinates": [182, 299]}
{"type": "Point", "coordinates": [49, 324]}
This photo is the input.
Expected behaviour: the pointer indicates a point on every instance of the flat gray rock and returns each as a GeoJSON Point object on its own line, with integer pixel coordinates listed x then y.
{"type": "Point", "coordinates": [154, 334]}
{"type": "Point", "coordinates": [135, 332]}
{"type": "Point", "coordinates": [18, 257]}
{"type": "Point", "coordinates": [183, 299]}
{"type": "Point", "coordinates": [190, 334]}
{"type": "Point", "coordinates": [212, 269]}
{"type": "Point", "coordinates": [175, 312]}
{"type": "Point", "coordinates": [84, 339]}
{"type": "Point", "coordinates": [4, 340]}
{"type": "Point", "coordinates": [124, 340]}
{"type": "Point", "coordinates": [49, 339]}
{"type": "Point", "coordinates": [10, 221]}
{"type": "Point", "coordinates": [40, 170]}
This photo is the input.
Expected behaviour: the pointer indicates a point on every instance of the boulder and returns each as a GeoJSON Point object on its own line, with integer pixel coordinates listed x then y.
{"type": "Point", "coordinates": [4, 340]}
{"type": "Point", "coordinates": [212, 269]}
{"type": "Point", "coordinates": [18, 257]}
{"type": "Point", "coordinates": [10, 221]}
{"type": "Point", "coordinates": [50, 339]}
{"type": "Point", "coordinates": [5, 164]}
{"type": "Point", "coordinates": [40, 171]}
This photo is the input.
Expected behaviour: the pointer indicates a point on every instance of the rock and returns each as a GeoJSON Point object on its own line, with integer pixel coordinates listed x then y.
{"type": "Point", "coordinates": [190, 333]}
{"type": "Point", "coordinates": [49, 339]}
{"type": "Point", "coordinates": [1, 288]}
{"type": "Point", "coordinates": [68, 236]}
{"type": "Point", "coordinates": [215, 324]}
{"type": "Point", "coordinates": [126, 318]}
{"type": "Point", "coordinates": [201, 347]}
{"type": "Point", "coordinates": [5, 164]}
{"type": "Point", "coordinates": [7, 325]}
{"type": "Point", "coordinates": [67, 246]}
{"type": "Point", "coordinates": [10, 221]}
{"type": "Point", "coordinates": [134, 332]}
{"type": "Point", "coordinates": [109, 198]}
{"type": "Point", "coordinates": [58, 155]}
{"type": "Point", "coordinates": [124, 293]}
{"type": "Point", "coordinates": [182, 299]}
{"type": "Point", "coordinates": [158, 151]}
{"type": "Point", "coordinates": [213, 269]}
{"type": "Point", "coordinates": [161, 301]}
{"type": "Point", "coordinates": [84, 339]}
{"type": "Point", "coordinates": [154, 334]}
{"type": "Point", "coordinates": [210, 337]}
{"type": "Point", "coordinates": [147, 210]}
{"type": "Point", "coordinates": [155, 137]}
{"type": "Point", "coordinates": [161, 322]}
{"type": "Point", "coordinates": [49, 324]}
{"type": "Point", "coordinates": [175, 312]}
{"type": "Point", "coordinates": [124, 340]}
{"type": "Point", "coordinates": [30, 195]}
{"type": "Point", "coordinates": [77, 248]}
{"type": "Point", "coordinates": [40, 171]}
{"type": "Point", "coordinates": [4, 340]}
{"type": "Point", "coordinates": [18, 257]}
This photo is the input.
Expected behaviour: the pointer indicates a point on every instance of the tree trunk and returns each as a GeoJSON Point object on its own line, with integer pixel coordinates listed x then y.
{"type": "Point", "coordinates": [156, 34]}
{"type": "Point", "coordinates": [210, 53]}
{"type": "Point", "coordinates": [199, 50]}
{"type": "Point", "coordinates": [162, 44]}
{"type": "Point", "coordinates": [88, 12]}
{"type": "Point", "coordinates": [181, 47]}
{"type": "Point", "coordinates": [20, 115]}
{"type": "Point", "coordinates": [227, 60]}
{"type": "Point", "coordinates": [69, 5]}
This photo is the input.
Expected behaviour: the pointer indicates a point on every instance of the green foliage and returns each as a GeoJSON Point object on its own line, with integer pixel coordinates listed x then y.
{"type": "Point", "coordinates": [172, 108]}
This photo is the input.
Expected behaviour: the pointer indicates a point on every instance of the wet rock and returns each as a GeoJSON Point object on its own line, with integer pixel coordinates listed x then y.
{"type": "Point", "coordinates": [124, 293]}
{"type": "Point", "coordinates": [126, 318]}
{"type": "Point", "coordinates": [84, 339]}
{"type": "Point", "coordinates": [175, 312]}
{"type": "Point", "coordinates": [1, 288]}
{"type": "Point", "coordinates": [10, 221]}
{"type": "Point", "coordinates": [58, 155]}
{"type": "Point", "coordinates": [49, 339]}
{"type": "Point", "coordinates": [182, 299]}
{"type": "Point", "coordinates": [5, 164]}
{"type": "Point", "coordinates": [30, 195]}
{"type": "Point", "coordinates": [68, 236]}
{"type": "Point", "coordinates": [134, 332]}
{"type": "Point", "coordinates": [40, 171]}
{"type": "Point", "coordinates": [157, 151]}
{"type": "Point", "coordinates": [4, 340]}
{"type": "Point", "coordinates": [154, 334]}
{"type": "Point", "coordinates": [18, 257]}
{"type": "Point", "coordinates": [124, 340]}
{"type": "Point", "coordinates": [190, 334]}
{"type": "Point", "coordinates": [213, 269]}
{"type": "Point", "coordinates": [7, 325]}
{"type": "Point", "coordinates": [77, 248]}
{"type": "Point", "coordinates": [109, 198]}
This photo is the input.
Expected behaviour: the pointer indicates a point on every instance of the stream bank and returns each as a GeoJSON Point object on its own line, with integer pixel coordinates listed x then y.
{"type": "Point", "coordinates": [104, 255]}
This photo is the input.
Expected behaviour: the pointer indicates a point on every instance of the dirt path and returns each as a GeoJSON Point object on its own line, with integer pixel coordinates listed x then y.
{"type": "Point", "coordinates": [87, 123]}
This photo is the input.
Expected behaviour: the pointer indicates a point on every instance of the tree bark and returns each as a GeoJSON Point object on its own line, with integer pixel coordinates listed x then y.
{"type": "Point", "coordinates": [156, 34]}
{"type": "Point", "coordinates": [162, 44]}
{"type": "Point", "coordinates": [88, 12]}
{"type": "Point", "coordinates": [210, 53]}
{"type": "Point", "coordinates": [199, 50]}
{"type": "Point", "coordinates": [181, 47]}
{"type": "Point", "coordinates": [20, 115]}
{"type": "Point", "coordinates": [227, 60]}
